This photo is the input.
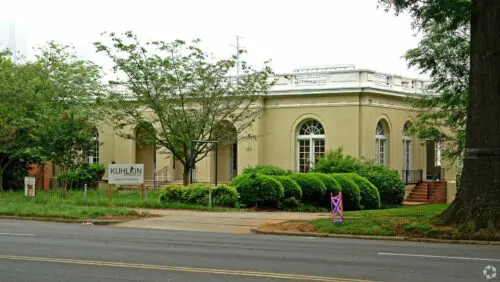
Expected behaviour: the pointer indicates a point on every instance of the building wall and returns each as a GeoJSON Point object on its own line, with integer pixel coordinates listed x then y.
{"type": "Point", "coordinates": [349, 120]}
{"type": "Point", "coordinates": [283, 116]}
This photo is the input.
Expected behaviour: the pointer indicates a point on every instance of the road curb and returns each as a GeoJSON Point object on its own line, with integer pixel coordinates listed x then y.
{"type": "Point", "coordinates": [67, 220]}
{"type": "Point", "coordinates": [367, 237]}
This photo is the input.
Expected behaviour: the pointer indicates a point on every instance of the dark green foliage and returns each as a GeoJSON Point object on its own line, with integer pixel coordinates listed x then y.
{"type": "Point", "coordinates": [172, 193]}
{"type": "Point", "coordinates": [292, 189]}
{"type": "Point", "coordinates": [290, 203]}
{"type": "Point", "coordinates": [388, 183]}
{"type": "Point", "coordinates": [370, 197]}
{"type": "Point", "coordinates": [351, 196]}
{"type": "Point", "coordinates": [258, 190]}
{"type": "Point", "coordinates": [312, 187]}
{"type": "Point", "coordinates": [89, 174]}
{"type": "Point", "coordinates": [198, 194]}
{"type": "Point", "coordinates": [266, 170]}
{"type": "Point", "coordinates": [335, 161]}
{"type": "Point", "coordinates": [225, 196]}
{"type": "Point", "coordinates": [390, 186]}
{"type": "Point", "coordinates": [332, 186]}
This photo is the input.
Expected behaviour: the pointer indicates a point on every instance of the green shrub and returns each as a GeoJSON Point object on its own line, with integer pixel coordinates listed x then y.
{"type": "Point", "coordinates": [290, 186]}
{"type": "Point", "coordinates": [172, 193]}
{"type": "Point", "coordinates": [335, 161]}
{"type": "Point", "coordinates": [370, 197]}
{"type": "Point", "coordinates": [390, 186]}
{"type": "Point", "coordinates": [225, 196]}
{"type": "Point", "coordinates": [332, 186]}
{"type": "Point", "coordinates": [198, 194]}
{"type": "Point", "coordinates": [266, 170]}
{"type": "Point", "coordinates": [89, 174]}
{"type": "Point", "coordinates": [291, 203]}
{"type": "Point", "coordinates": [258, 190]}
{"type": "Point", "coordinates": [351, 196]}
{"type": "Point", "coordinates": [312, 187]}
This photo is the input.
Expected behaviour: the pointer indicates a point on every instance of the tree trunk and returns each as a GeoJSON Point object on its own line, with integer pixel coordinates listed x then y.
{"type": "Point", "coordinates": [477, 204]}
{"type": "Point", "coordinates": [186, 174]}
{"type": "Point", "coordinates": [1, 181]}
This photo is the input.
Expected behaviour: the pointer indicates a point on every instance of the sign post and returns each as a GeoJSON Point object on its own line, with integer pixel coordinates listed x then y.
{"type": "Point", "coordinates": [125, 174]}
{"type": "Point", "coordinates": [29, 186]}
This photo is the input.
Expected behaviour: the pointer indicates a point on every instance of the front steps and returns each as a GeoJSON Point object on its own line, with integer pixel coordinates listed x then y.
{"type": "Point", "coordinates": [427, 192]}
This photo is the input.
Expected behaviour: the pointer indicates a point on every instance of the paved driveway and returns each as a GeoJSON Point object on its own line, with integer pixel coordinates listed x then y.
{"type": "Point", "coordinates": [228, 222]}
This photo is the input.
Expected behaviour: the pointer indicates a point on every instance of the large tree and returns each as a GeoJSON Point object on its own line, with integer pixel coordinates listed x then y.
{"type": "Point", "coordinates": [70, 107]}
{"type": "Point", "coordinates": [40, 99]}
{"type": "Point", "coordinates": [183, 92]}
{"type": "Point", "coordinates": [444, 54]}
{"type": "Point", "coordinates": [477, 203]}
{"type": "Point", "coordinates": [18, 87]}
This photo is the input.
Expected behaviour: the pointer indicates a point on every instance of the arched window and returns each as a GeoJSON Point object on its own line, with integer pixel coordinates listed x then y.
{"type": "Point", "coordinates": [407, 148]}
{"type": "Point", "coordinates": [381, 144]}
{"type": "Point", "coordinates": [94, 152]}
{"type": "Point", "coordinates": [310, 144]}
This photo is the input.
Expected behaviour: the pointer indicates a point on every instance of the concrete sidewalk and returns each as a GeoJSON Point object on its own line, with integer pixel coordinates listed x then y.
{"type": "Point", "coordinates": [227, 222]}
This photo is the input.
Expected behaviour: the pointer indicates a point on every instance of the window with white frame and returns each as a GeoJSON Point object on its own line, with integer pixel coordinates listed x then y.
{"type": "Point", "coordinates": [380, 144]}
{"type": "Point", "coordinates": [310, 144]}
{"type": "Point", "coordinates": [94, 151]}
{"type": "Point", "coordinates": [407, 156]}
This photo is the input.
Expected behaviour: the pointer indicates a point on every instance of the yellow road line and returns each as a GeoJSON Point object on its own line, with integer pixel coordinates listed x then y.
{"type": "Point", "coordinates": [183, 269]}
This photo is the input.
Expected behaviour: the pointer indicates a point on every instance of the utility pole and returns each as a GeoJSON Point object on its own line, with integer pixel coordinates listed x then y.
{"type": "Point", "coordinates": [238, 49]}
{"type": "Point", "coordinates": [12, 41]}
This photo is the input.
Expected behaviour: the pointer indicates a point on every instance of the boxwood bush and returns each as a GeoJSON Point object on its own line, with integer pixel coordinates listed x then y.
{"type": "Point", "coordinates": [351, 196]}
{"type": "Point", "coordinates": [312, 187]}
{"type": "Point", "coordinates": [266, 170]}
{"type": "Point", "coordinates": [225, 196]}
{"type": "Point", "coordinates": [172, 193]}
{"type": "Point", "coordinates": [197, 194]}
{"type": "Point", "coordinates": [389, 184]}
{"type": "Point", "coordinates": [370, 197]}
{"type": "Point", "coordinates": [290, 186]}
{"type": "Point", "coordinates": [258, 190]}
{"type": "Point", "coordinates": [332, 186]}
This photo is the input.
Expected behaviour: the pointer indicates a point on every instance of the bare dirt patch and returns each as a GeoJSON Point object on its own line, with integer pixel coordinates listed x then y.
{"type": "Point", "coordinates": [289, 226]}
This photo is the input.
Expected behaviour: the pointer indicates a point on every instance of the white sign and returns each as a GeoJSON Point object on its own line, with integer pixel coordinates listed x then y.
{"type": "Point", "coordinates": [29, 186]}
{"type": "Point", "coordinates": [126, 173]}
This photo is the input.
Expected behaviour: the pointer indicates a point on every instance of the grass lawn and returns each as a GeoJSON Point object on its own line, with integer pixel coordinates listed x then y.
{"type": "Point", "coordinates": [74, 205]}
{"type": "Point", "coordinates": [411, 221]}
{"type": "Point", "coordinates": [406, 221]}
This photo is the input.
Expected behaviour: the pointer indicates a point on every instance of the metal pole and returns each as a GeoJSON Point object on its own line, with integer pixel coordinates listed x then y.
{"type": "Point", "coordinates": [191, 164]}
{"type": "Point", "coordinates": [216, 170]}
{"type": "Point", "coordinates": [85, 192]}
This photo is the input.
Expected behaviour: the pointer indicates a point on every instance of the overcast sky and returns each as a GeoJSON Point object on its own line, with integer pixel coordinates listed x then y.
{"type": "Point", "coordinates": [291, 33]}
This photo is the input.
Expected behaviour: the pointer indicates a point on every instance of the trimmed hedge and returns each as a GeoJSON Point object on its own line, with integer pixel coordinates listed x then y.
{"type": "Point", "coordinates": [332, 186]}
{"type": "Point", "coordinates": [225, 196]}
{"type": "Point", "coordinates": [312, 187]}
{"type": "Point", "coordinates": [389, 184]}
{"type": "Point", "coordinates": [370, 197]}
{"type": "Point", "coordinates": [197, 194]}
{"type": "Point", "coordinates": [266, 170]}
{"type": "Point", "coordinates": [351, 196]}
{"type": "Point", "coordinates": [290, 186]}
{"type": "Point", "coordinates": [258, 190]}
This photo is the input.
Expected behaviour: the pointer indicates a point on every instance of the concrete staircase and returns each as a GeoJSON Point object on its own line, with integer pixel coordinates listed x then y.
{"type": "Point", "coordinates": [428, 192]}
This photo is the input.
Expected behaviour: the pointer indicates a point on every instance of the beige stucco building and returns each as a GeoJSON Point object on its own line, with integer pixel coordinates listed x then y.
{"type": "Point", "coordinates": [307, 113]}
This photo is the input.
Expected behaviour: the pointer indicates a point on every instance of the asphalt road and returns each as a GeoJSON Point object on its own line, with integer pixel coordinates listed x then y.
{"type": "Point", "coordinates": [39, 251]}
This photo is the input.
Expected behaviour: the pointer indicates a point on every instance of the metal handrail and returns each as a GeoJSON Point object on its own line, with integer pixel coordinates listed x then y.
{"type": "Point", "coordinates": [163, 172]}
